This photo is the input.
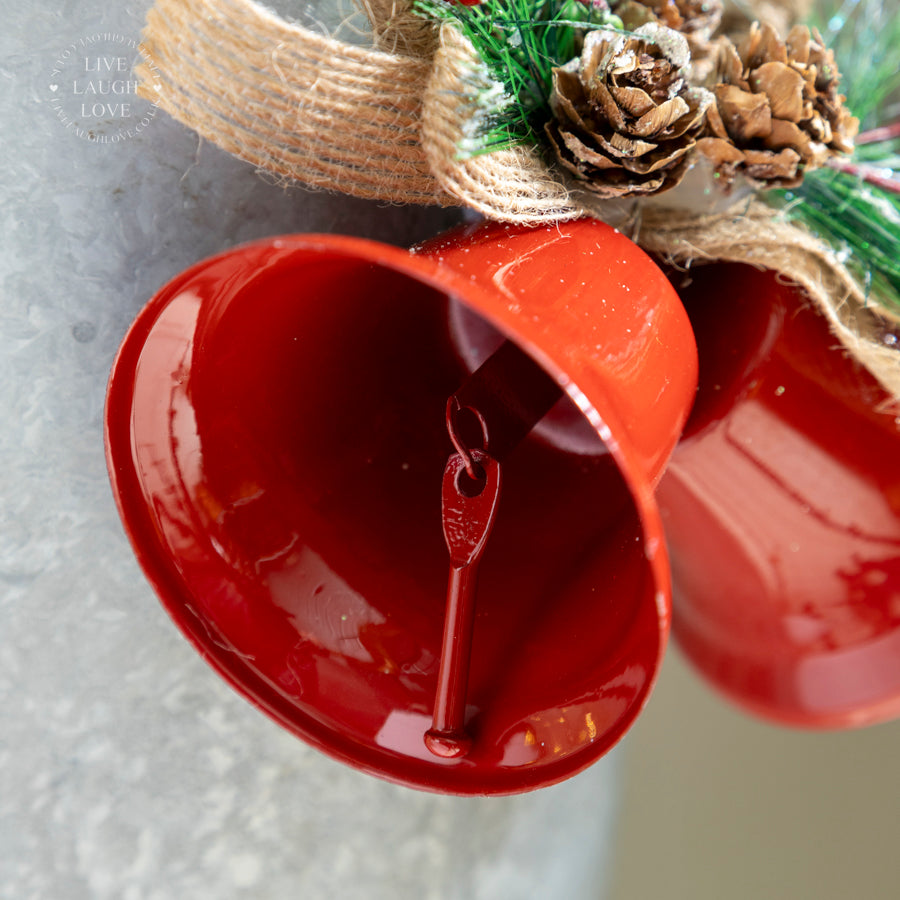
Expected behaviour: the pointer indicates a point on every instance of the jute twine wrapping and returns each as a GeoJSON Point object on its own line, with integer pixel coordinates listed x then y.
{"type": "Point", "coordinates": [292, 102]}
{"type": "Point", "coordinates": [387, 124]}
{"type": "Point", "coordinates": [510, 185]}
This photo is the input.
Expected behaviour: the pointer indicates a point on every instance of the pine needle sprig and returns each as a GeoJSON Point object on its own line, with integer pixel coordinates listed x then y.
{"type": "Point", "coordinates": [519, 42]}
{"type": "Point", "coordinates": [855, 204]}
{"type": "Point", "coordinates": [861, 220]}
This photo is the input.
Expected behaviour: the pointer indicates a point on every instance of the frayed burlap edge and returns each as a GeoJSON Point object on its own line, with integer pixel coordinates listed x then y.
{"type": "Point", "coordinates": [388, 124]}
{"type": "Point", "coordinates": [760, 236]}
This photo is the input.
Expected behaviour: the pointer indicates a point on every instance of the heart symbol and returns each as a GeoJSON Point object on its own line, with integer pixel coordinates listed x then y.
{"type": "Point", "coordinates": [276, 440]}
{"type": "Point", "coordinates": [54, 88]}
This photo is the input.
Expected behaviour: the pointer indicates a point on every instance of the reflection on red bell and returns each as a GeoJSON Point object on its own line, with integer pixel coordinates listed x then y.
{"type": "Point", "coordinates": [782, 509]}
{"type": "Point", "coordinates": [276, 440]}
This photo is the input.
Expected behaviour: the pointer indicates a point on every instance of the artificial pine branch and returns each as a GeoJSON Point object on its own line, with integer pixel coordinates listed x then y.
{"type": "Point", "coordinates": [519, 42]}
{"type": "Point", "coordinates": [855, 204]}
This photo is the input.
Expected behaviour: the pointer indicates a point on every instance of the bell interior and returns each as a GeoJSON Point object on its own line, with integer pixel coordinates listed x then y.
{"type": "Point", "coordinates": [294, 473]}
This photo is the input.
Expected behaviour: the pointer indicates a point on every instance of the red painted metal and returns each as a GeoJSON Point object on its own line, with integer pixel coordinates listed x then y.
{"type": "Point", "coordinates": [782, 510]}
{"type": "Point", "coordinates": [276, 442]}
{"type": "Point", "coordinates": [469, 511]}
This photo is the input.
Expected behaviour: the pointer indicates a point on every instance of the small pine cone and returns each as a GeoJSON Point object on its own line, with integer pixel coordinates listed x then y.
{"type": "Point", "coordinates": [777, 112]}
{"type": "Point", "coordinates": [780, 14]}
{"type": "Point", "coordinates": [625, 116]}
{"type": "Point", "coordinates": [693, 18]}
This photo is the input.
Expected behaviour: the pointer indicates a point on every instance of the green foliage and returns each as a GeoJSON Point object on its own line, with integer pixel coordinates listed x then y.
{"type": "Point", "coordinates": [860, 220]}
{"type": "Point", "coordinates": [858, 217]}
{"type": "Point", "coordinates": [519, 42]}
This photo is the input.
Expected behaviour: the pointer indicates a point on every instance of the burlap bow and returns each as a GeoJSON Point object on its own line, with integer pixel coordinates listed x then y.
{"type": "Point", "coordinates": [386, 124]}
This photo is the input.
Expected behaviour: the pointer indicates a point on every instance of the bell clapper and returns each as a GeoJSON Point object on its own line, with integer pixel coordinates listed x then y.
{"type": "Point", "coordinates": [497, 407]}
{"type": "Point", "coordinates": [469, 509]}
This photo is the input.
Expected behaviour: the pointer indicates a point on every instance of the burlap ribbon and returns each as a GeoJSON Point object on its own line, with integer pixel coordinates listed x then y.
{"type": "Point", "coordinates": [387, 123]}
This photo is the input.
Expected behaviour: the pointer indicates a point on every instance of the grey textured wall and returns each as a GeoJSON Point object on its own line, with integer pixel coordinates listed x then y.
{"type": "Point", "coordinates": [127, 769]}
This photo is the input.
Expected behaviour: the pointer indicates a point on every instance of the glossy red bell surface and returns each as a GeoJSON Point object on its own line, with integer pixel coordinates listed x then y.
{"type": "Point", "coordinates": [276, 441]}
{"type": "Point", "coordinates": [782, 510]}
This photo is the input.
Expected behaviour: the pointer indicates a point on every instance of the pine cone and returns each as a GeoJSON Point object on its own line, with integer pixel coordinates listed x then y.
{"type": "Point", "coordinates": [780, 14]}
{"type": "Point", "coordinates": [625, 116]}
{"type": "Point", "coordinates": [695, 19]}
{"type": "Point", "coordinates": [777, 112]}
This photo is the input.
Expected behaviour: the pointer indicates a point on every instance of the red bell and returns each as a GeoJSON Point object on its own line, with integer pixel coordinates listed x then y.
{"type": "Point", "coordinates": [782, 509]}
{"type": "Point", "coordinates": [277, 444]}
